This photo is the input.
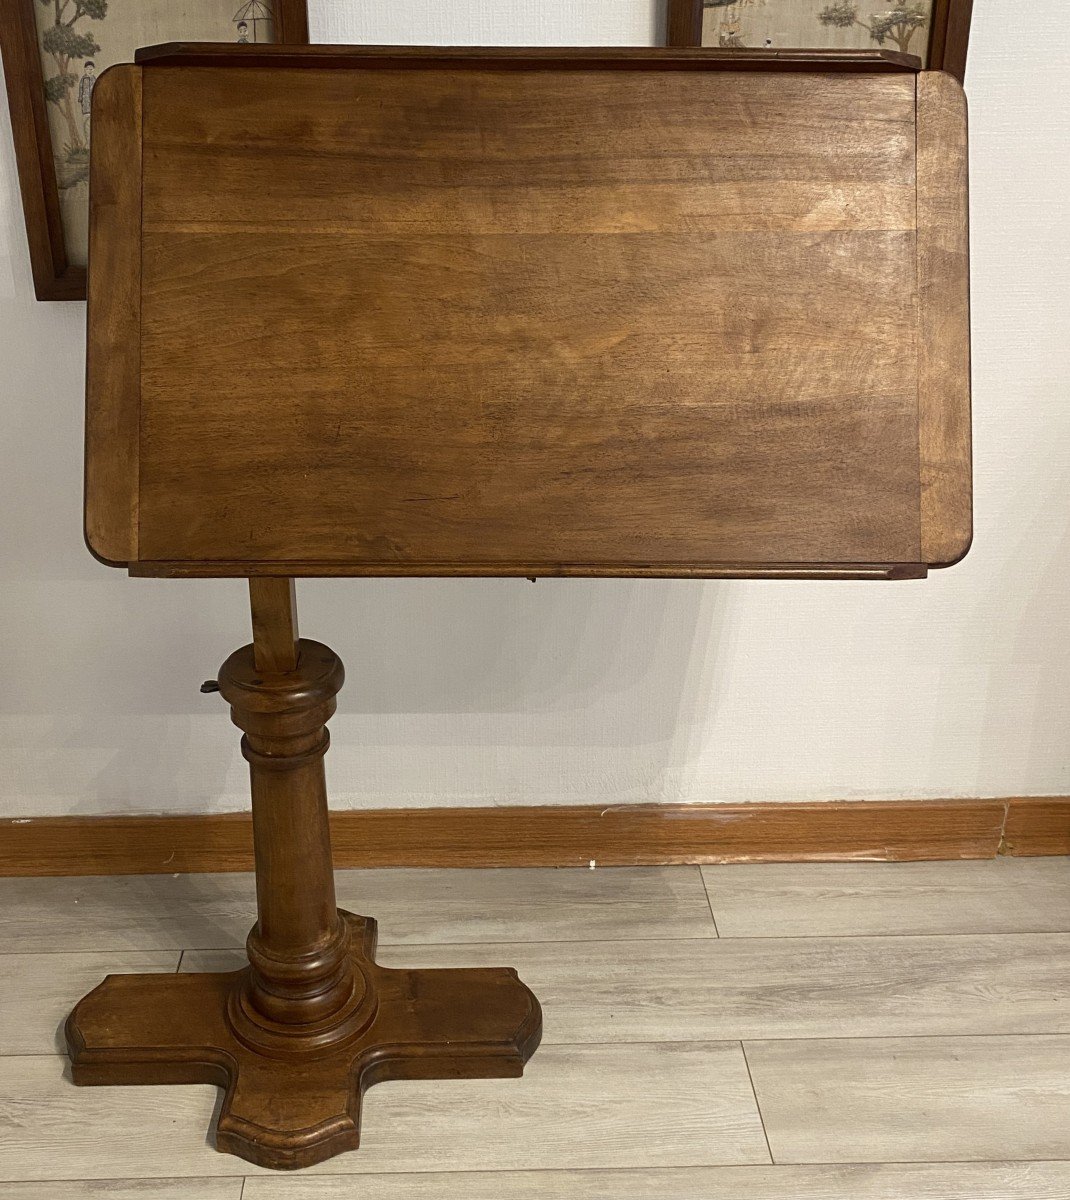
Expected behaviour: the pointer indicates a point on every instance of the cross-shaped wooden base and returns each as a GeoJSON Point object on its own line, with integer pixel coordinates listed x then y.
{"type": "Point", "coordinates": [297, 1037]}
{"type": "Point", "coordinates": [296, 1106]}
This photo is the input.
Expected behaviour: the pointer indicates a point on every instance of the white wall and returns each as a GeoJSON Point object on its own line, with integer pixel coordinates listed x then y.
{"type": "Point", "coordinates": [504, 692]}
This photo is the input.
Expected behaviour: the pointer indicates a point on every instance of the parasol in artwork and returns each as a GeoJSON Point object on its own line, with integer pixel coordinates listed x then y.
{"type": "Point", "coordinates": [254, 21]}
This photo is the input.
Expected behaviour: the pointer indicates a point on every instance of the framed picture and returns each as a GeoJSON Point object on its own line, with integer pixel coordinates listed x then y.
{"type": "Point", "coordinates": [937, 31]}
{"type": "Point", "coordinates": [53, 53]}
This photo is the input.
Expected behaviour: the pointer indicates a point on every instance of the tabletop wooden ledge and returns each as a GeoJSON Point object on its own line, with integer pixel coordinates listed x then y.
{"type": "Point", "coordinates": [526, 58]}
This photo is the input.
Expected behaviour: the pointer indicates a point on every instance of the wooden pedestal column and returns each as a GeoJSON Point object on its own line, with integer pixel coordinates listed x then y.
{"type": "Point", "coordinates": [298, 1035]}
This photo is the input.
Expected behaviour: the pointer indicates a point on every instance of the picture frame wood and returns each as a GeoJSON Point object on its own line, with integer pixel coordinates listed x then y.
{"type": "Point", "coordinates": [55, 275]}
{"type": "Point", "coordinates": [949, 31]}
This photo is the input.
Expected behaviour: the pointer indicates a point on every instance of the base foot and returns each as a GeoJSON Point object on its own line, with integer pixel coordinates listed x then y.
{"type": "Point", "coordinates": [293, 1110]}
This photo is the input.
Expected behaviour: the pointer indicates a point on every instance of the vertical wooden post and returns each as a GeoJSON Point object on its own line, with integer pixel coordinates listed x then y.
{"type": "Point", "coordinates": [298, 1035]}
{"type": "Point", "coordinates": [282, 693]}
{"type": "Point", "coordinates": [273, 603]}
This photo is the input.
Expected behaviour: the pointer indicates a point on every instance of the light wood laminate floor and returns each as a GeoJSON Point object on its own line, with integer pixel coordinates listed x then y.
{"type": "Point", "coordinates": [843, 1031]}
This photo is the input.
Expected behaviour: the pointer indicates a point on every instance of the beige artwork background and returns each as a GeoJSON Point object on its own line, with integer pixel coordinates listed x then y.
{"type": "Point", "coordinates": [125, 26]}
{"type": "Point", "coordinates": [797, 23]}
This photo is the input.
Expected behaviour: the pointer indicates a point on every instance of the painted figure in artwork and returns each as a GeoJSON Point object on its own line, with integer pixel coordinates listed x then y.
{"type": "Point", "coordinates": [85, 91]}
{"type": "Point", "coordinates": [728, 35]}
{"type": "Point", "coordinates": [730, 25]}
{"type": "Point", "coordinates": [255, 17]}
{"type": "Point", "coordinates": [67, 41]}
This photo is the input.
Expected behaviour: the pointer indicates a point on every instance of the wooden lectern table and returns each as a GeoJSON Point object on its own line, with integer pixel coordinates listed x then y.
{"type": "Point", "coordinates": [364, 311]}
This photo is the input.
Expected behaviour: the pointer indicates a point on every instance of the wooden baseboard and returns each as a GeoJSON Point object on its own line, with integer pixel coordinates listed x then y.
{"type": "Point", "coordinates": [1037, 825]}
{"type": "Point", "coordinates": [622, 835]}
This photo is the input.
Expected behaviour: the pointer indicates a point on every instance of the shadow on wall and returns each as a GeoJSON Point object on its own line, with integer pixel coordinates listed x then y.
{"type": "Point", "coordinates": [566, 690]}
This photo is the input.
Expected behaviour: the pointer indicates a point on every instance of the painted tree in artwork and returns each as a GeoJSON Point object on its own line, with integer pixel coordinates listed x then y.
{"type": "Point", "coordinates": [899, 23]}
{"type": "Point", "coordinates": [65, 43]}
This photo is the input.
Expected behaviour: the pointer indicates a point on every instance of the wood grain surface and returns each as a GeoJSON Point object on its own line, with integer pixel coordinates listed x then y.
{"type": "Point", "coordinates": [874, 1181]}
{"type": "Point", "coordinates": [525, 58]}
{"type": "Point", "coordinates": [1037, 825]}
{"type": "Point", "coordinates": [578, 1106]}
{"type": "Point", "coordinates": [273, 608]}
{"type": "Point", "coordinates": [715, 989]}
{"type": "Point", "coordinates": [575, 320]}
{"type": "Point", "coordinates": [113, 366]}
{"type": "Point", "coordinates": [220, 568]}
{"type": "Point", "coordinates": [281, 1108]}
{"type": "Point", "coordinates": [36, 991]}
{"type": "Point", "coordinates": [779, 902]}
{"type": "Point", "coordinates": [522, 836]}
{"type": "Point", "coordinates": [127, 1189]}
{"type": "Point", "coordinates": [174, 912]}
{"type": "Point", "coordinates": [853, 900]}
{"type": "Point", "coordinates": [920, 1099]}
{"type": "Point", "coordinates": [944, 301]}
{"type": "Point", "coordinates": [944, 1045]}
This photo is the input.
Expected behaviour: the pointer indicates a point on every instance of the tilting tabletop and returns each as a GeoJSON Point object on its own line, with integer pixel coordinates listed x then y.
{"type": "Point", "coordinates": [387, 312]}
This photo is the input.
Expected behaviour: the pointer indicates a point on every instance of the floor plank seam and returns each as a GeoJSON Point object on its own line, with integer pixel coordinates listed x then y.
{"type": "Point", "coordinates": [573, 1170]}
{"type": "Point", "coordinates": [773, 937]}
{"type": "Point", "coordinates": [722, 1041]}
{"type": "Point", "coordinates": [849, 937]}
{"type": "Point", "coordinates": [607, 941]}
{"type": "Point", "coordinates": [878, 1037]}
{"type": "Point", "coordinates": [709, 901]}
{"type": "Point", "coordinates": [239, 948]}
{"type": "Point", "coordinates": [594, 941]}
{"type": "Point", "coordinates": [757, 1105]}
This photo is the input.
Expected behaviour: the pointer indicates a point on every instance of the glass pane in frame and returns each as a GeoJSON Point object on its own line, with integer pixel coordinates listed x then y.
{"type": "Point", "coordinates": [818, 25]}
{"type": "Point", "coordinates": [79, 39]}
